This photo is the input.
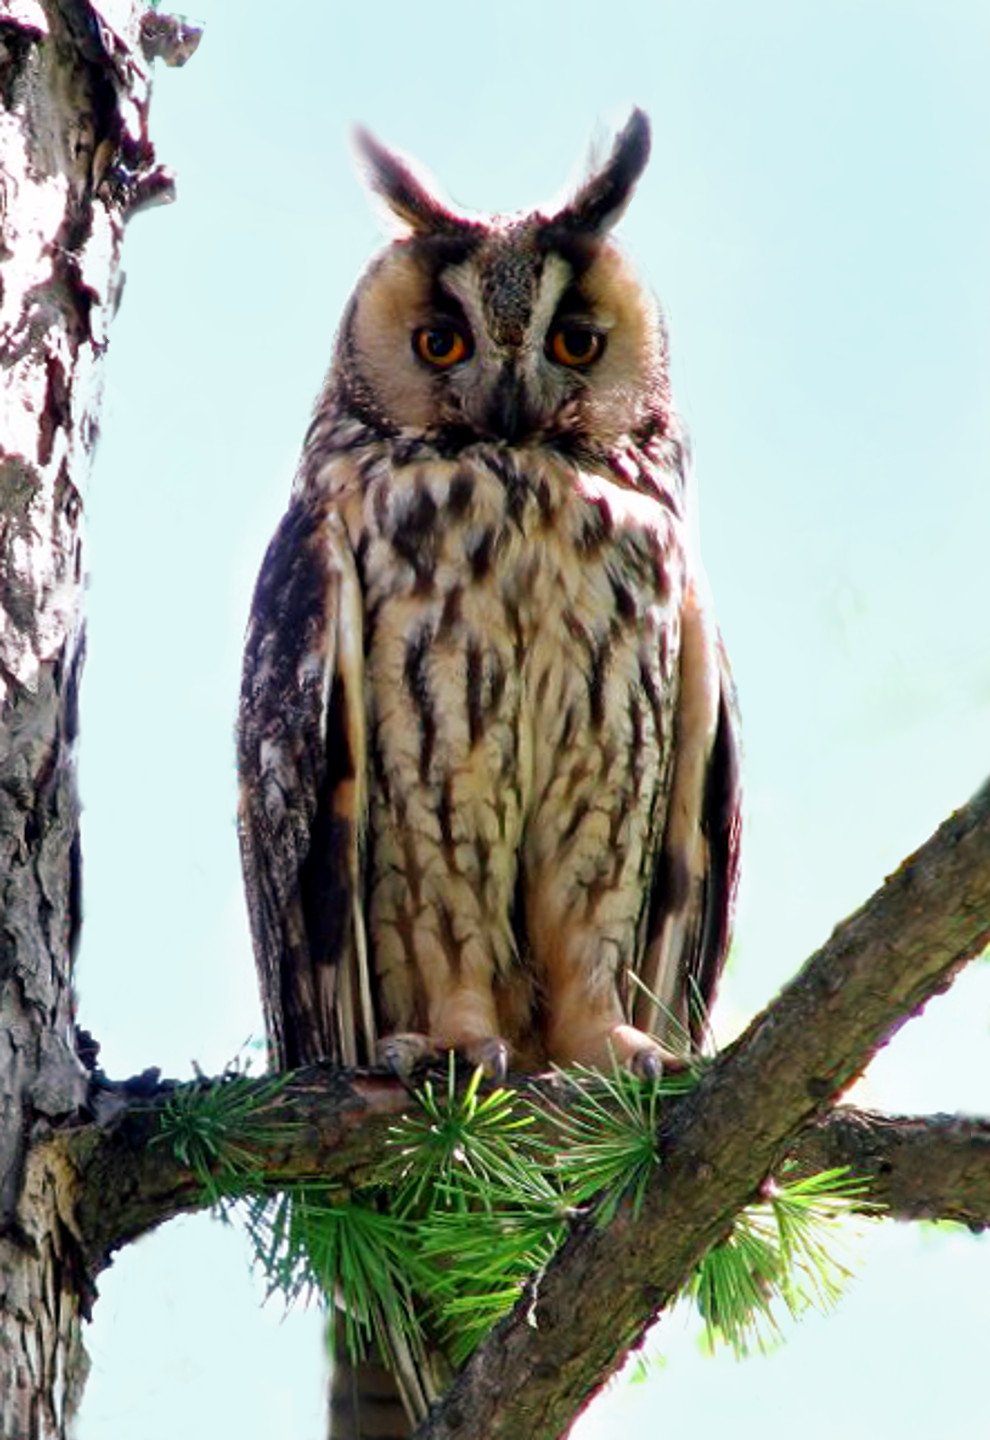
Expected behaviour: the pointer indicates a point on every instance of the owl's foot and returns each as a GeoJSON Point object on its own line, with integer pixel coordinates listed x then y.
{"type": "Point", "coordinates": [640, 1053]}
{"type": "Point", "coordinates": [604, 1046]}
{"type": "Point", "coordinates": [491, 1054]}
{"type": "Point", "coordinates": [404, 1051]}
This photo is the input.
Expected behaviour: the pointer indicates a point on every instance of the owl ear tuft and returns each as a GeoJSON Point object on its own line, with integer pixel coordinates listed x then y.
{"type": "Point", "coordinates": [602, 199]}
{"type": "Point", "coordinates": [404, 193]}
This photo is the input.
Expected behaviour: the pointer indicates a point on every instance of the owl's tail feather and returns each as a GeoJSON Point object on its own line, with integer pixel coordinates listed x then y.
{"type": "Point", "coordinates": [370, 1400]}
{"type": "Point", "coordinates": [365, 1401]}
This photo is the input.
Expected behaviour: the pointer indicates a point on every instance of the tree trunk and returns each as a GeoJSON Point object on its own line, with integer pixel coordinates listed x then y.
{"type": "Point", "coordinates": [71, 171]}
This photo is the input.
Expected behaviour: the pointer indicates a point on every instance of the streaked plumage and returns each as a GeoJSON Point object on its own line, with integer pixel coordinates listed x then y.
{"type": "Point", "coordinates": [489, 789]}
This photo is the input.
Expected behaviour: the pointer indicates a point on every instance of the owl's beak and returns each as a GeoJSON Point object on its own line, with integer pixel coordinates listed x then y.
{"type": "Point", "coordinates": [507, 415]}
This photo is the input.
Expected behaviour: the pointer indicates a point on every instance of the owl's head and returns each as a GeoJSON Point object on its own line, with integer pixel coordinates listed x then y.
{"type": "Point", "coordinates": [531, 328]}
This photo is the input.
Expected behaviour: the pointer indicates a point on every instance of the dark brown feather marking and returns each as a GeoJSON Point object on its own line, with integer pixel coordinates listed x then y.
{"type": "Point", "coordinates": [721, 825]}
{"type": "Point", "coordinates": [473, 682]}
{"type": "Point", "coordinates": [460, 494]}
{"type": "Point", "coordinates": [661, 581]}
{"type": "Point", "coordinates": [416, 673]}
{"type": "Point", "coordinates": [450, 616]}
{"type": "Point", "coordinates": [503, 465]}
{"type": "Point", "coordinates": [479, 555]}
{"type": "Point", "coordinates": [637, 753]}
{"type": "Point", "coordinates": [514, 622]}
{"type": "Point", "coordinates": [445, 819]}
{"type": "Point", "coordinates": [569, 728]}
{"type": "Point", "coordinates": [578, 815]}
{"type": "Point", "coordinates": [496, 685]}
{"type": "Point", "coordinates": [649, 684]}
{"type": "Point", "coordinates": [373, 601]}
{"type": "Point", "coordinates": [379, 504]}
{"type": "Point", "coordinates": [625, 602]}
{"type": "Point", "coordinates": [544, 501]}
{"type": "Point", "coordinates": [600, 657]}
{"type": "Point", "coordinates": [596, 528]}
{"type": "Point", "coordinates": [670, 889]}
{"type": "Point", "coordinates": [414, 537]}
{"type": "Point", "coordinates": [378, 768]}
{"type": "Point", "coordinates": [448, 940]}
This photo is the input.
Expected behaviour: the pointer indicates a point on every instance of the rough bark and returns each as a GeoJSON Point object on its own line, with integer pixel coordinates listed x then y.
{"type": "Point", "coordinates": [72, 168]}
{"type": "Point", "coordinates": [919, 1167]}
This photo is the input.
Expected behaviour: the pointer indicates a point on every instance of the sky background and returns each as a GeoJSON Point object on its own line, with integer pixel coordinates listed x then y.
{"type": "Point", "coordinates": [816, 220]}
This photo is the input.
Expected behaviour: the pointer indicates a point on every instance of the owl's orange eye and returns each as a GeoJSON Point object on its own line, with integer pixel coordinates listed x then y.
{"type": "Point", "coordinates": [575, 345]}
{"type": "Point", "coordinates": [441, 345]}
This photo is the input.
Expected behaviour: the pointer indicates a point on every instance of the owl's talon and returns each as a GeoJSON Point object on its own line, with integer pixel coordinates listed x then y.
{"type": "Point", "coordinates": [647, 1064]}
{"type": "Point", "coordinates": [491, 1054]}
{"type": "Point", "coordinates": [402, 1052]}
{"type": "Point", "coordinates": [639, 1053]}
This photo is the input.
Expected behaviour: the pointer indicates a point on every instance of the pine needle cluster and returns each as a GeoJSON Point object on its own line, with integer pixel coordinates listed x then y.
{"type": "Point", "coordinates": [475, 1191]}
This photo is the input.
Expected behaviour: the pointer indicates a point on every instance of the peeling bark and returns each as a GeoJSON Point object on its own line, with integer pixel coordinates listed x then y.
{"type": "Point", "coordinates": [71, 166]}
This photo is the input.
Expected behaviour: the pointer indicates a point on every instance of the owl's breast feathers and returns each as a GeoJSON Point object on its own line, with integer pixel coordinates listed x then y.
{"type": "Point", "coordinates": [487, 753]}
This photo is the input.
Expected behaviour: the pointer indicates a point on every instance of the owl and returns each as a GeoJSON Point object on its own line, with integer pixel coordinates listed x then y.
{"type": "Point", "coordinates": [489, 795]}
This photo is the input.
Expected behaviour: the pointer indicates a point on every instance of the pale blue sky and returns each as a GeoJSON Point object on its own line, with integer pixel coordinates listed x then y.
{"type": "Point", "coordinates": [816, 220]}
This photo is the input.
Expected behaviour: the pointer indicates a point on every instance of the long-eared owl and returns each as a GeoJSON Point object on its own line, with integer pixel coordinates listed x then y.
{"type": "Point", "coordinates": [487, 748]}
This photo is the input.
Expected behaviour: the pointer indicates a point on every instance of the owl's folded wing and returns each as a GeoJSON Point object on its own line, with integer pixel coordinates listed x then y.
{"type": "Point", "coordinates": [689, 918]}
{"type": "Point", "coordinates": [301, 766]}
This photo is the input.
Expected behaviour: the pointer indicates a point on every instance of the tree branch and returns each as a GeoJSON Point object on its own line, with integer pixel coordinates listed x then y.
{"type": "Point", "coordinates": [931, 1167]}
{"type": "Point", "coordinates": [330, 1126]}
{"type": "Point", "coordinates": [761, 1100]}
{"type": "Point", "coordinates": [545, 1361]}
{"type": "Point", "coordinates": [334, 1123]}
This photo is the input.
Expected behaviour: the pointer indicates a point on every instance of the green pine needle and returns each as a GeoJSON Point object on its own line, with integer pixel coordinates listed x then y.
{"type": "Point", "coordinates": [481, 1264]}
{"type": "Point", "coordinates": [474, 1195]}
{"type": "Point", "coordinates": [216, 1130]}
{"type": "Point", "coordinates": [780, 1258]}
{"type": "Point", "coordinates": [459, 1150]}
{"type": "Point", "coordinates": [603, 1147]}
{"type": "Point", "coordinates": [313, 1242]}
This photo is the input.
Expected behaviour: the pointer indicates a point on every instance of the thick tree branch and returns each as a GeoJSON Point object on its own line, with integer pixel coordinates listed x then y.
{"type": "Point", "coordinates": [919, 1167]}
{"type": "Point", "coordinates": [542, 1365]}
{"type": "Point", "coordinates": [334, 1123]}
{"type": "Point", "coordinates": [760, 1100]}
{"type": "Point", "coordinates": [331, 1126]}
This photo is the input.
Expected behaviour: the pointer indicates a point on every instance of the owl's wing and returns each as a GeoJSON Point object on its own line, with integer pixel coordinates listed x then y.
{"type": "Point", "coordinates": [692, 895]}
{"type": "Point", "coordinates": [301, 759]}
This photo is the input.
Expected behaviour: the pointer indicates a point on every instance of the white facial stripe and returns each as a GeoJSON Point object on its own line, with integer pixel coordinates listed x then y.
{"type": "Point", "coordinates": [464, 284]}
{"type": "Point", "coordinates": [554, 281]}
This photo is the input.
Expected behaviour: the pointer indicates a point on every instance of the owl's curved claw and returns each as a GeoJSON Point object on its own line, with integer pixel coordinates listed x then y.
{"type": "Point", "coordinates": [641, 1054]}
{"type": "Point", "coordinates": [647, 1064]}
{"type": "Point", "coordinates": [403, 1051]}
{"type": "Point", "coordinates": [491, 1054]}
